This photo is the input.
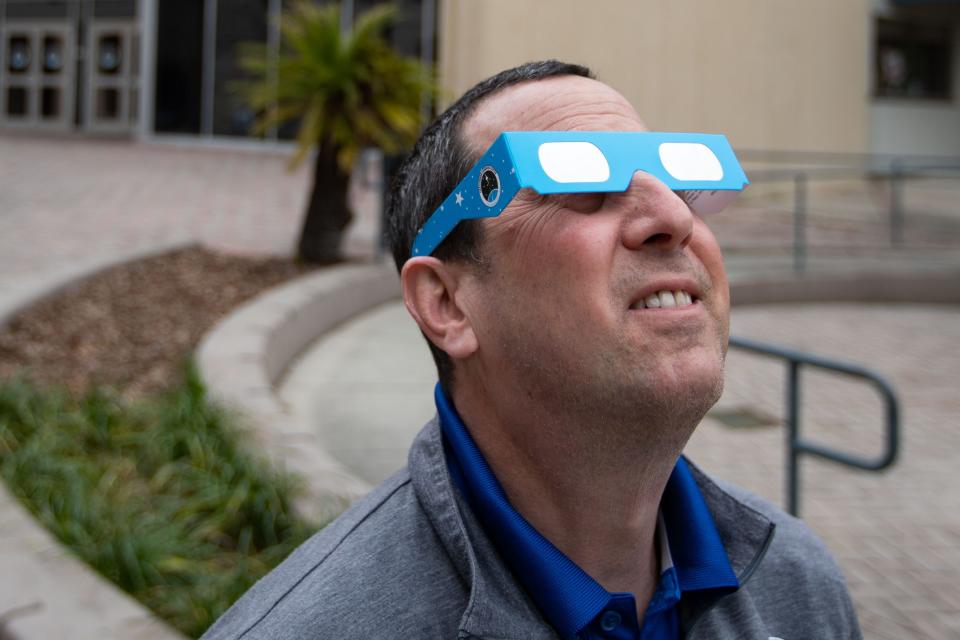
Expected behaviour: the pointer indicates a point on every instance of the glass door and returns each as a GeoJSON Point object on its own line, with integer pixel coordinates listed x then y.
{"type": "Point", "coordinates": [37, 74]}
{"type": "Point", "coordinates": [113, 76]}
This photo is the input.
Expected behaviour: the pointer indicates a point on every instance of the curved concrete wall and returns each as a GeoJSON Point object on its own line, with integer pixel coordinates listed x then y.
{"type": "Point", "coordinates": [242, 357]}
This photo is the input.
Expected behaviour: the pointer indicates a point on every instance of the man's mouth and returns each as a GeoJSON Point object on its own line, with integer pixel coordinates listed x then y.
{"type": "Point", "coordinates": [665, 299]}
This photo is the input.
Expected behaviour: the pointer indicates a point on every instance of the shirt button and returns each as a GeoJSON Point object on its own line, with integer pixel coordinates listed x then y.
{"type": "Point", "coordinates": [610, 620]}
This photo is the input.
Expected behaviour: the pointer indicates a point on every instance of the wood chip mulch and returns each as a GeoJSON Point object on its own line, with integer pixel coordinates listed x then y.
{"type": "Point", "coordinates": [133, 326]}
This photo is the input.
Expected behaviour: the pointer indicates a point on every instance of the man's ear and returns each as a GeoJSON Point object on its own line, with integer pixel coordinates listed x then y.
{"type": "Point", "coordinates": [430, 293]}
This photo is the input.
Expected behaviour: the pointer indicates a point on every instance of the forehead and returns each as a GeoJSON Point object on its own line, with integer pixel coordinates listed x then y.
{"type": "Point", "coordinates": [561, 103]}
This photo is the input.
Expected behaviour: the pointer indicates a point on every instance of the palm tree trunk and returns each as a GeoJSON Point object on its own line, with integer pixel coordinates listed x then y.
{"type": "Point", "coordinates": [328, 213]}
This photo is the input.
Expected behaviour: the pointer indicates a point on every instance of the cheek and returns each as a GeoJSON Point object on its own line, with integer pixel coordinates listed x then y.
{"type": "Point", "coordinates": [554, 249]}
{"type": "Point", "coordinates": [705, 247]}
{"type": "Point", "coordinates": [586, 244]}
{"type": "Point", "coordinates": [581, 260]}
{"type": "Point", "coordinates": [560, 265]}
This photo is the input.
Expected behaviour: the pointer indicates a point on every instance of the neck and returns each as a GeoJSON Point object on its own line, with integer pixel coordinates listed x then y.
{"type": "Point", "coordinates": [591, 487]}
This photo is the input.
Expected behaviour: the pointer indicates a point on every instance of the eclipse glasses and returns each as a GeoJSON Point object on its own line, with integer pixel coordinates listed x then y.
{"type": "Point", "coordinates": [702, 165]}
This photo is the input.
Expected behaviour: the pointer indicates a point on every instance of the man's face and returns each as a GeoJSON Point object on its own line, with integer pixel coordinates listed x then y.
{"type": "Point", "coordinates": [562, 313]}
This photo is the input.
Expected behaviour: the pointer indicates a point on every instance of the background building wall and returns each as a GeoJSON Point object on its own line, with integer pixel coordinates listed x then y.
{"type": "Point", "coordinates": [771, 74]}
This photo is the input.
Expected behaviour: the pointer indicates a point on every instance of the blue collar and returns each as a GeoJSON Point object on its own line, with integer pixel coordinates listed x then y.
{"type": "Point", "coordinates": [566, 595]}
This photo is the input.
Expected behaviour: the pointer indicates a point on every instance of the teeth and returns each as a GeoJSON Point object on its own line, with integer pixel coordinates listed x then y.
{"type": "Point", "coordinates": [665, 299]}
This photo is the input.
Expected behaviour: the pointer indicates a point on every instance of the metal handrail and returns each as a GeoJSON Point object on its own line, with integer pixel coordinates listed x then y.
{"type": "Point", "coordinates": [796, 446]}
{"type": "Point", "coordinates": [824, 174]}
{"type": "Point", "coordinates": [899, 170]}
{"type": "Point", "coordinates": [841, 158]}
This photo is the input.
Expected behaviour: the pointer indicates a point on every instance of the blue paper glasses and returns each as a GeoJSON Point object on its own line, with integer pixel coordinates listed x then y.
{"type": "Point", "coordinates": [700, 164]}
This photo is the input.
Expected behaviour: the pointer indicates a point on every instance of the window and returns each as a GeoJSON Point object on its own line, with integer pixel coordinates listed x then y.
{"type": "Point", "coordinates": [912, 61]}
{"type": "Point", "coordinates": [237, 21]}
{"type": "Point", "coordinates": [179, 66]}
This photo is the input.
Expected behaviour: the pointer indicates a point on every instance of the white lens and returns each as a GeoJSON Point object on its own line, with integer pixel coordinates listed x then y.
{"type": "Point", "coordinates": [690, 161]}
{"type": "Point", "coordinates": [573, 162]}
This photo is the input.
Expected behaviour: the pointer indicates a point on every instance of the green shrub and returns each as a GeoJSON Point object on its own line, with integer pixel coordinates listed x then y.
{"type": "Point", "coordinates": [156, 495]}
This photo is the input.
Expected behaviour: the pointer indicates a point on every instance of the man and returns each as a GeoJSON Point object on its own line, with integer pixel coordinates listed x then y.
{"type": "Point", "coordinates": [579, 340]}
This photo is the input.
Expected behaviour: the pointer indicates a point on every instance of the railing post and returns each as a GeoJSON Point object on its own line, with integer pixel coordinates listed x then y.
{"type": "Point", "coordinates": [797, 446]}
{"type": "Point", "coordinates": [799, 222]}
{"type": "Point", "coordinates": [793, 435]}
{"type": "Point", "coordinates": [896, 203]}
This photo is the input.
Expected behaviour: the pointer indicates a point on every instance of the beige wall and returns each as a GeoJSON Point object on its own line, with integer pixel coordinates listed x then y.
{"type": "Point", "coordinates": [771, 74]}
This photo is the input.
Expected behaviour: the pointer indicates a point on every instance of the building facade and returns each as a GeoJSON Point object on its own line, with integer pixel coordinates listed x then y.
{"type": "Point", "coordinates": [150, 68]}
{"type": "Point", "coordinates": [863, 76]}
{"type": "Point", "coordinates": [46, 81]}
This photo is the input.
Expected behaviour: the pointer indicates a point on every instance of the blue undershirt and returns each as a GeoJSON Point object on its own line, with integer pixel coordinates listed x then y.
{"type": "Point", "coordinates": [692, 557]}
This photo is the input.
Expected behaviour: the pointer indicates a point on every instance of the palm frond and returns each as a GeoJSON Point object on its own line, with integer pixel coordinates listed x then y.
{"type": "Point", "coordinates": [346, 90]}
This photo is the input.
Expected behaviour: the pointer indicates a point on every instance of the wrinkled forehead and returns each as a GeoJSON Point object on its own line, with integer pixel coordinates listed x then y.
{"type": "Point", "coordinates": [561, 103]}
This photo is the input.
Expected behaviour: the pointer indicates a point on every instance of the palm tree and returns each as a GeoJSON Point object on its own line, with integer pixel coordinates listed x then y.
{"type": "Point", "coordinates": [348, 91]}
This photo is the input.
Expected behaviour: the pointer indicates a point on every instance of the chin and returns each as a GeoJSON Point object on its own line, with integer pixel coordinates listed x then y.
{"type": "Point", "coordinates": [688, 389]}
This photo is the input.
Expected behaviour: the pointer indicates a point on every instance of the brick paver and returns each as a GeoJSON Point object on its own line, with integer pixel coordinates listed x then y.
{"type": "Point", "coordinates": [67, 199]}
{"type": "Point", "coordinates": [895, 534]}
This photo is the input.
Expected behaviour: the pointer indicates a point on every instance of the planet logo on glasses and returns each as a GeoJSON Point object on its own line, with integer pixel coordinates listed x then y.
{"type": "Point", "coordinates": [489, 186]}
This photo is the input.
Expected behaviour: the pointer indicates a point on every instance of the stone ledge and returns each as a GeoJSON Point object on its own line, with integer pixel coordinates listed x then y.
{"type": "Point", "coordinates": [49, 593]}
{"type": "Point", "coordinates": [46, 592]}
{"type": "Point", "coordinates": [243, 356]}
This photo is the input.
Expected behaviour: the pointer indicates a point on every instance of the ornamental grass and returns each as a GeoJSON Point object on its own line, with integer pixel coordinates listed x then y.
{"type": "Point", "coordinates": [155, 494]}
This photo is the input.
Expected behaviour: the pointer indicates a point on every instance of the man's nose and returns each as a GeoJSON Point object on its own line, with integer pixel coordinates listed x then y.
{"type": "Point", "coordinates": [655, 217]}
